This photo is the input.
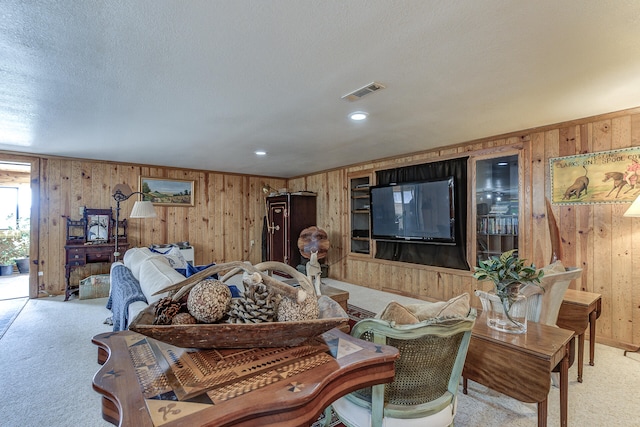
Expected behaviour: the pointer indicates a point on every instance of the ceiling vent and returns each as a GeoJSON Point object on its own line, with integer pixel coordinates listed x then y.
{"type": "Point", "coordinates": [366, 90]}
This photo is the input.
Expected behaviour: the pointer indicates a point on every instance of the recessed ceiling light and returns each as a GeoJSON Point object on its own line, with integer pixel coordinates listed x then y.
{"type": "Point", "coordinates": [261, 153]}
{"type": "Point", "coordinates": [358, 115]}
{"type": "Point", "coordinates": [502, 163]}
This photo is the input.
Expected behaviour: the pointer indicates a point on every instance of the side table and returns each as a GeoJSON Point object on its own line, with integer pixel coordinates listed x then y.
{"type": "Point", "coordinates": [338, 295]}
{"type": "Point", "coordinates": [520, 365]}
{"type": "Point", "coordinates": [578, 311]}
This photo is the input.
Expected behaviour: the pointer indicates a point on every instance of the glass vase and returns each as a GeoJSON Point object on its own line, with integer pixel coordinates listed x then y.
{"type": "Point", "coordinates": [511, 319]}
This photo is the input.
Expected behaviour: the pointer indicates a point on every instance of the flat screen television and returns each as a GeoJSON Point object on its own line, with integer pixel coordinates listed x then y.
{"type": "Point", "coordinates": [417, 212]}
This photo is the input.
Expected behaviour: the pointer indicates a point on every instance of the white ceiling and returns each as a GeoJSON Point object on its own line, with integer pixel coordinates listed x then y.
{"type": "Point", "coordinates": [203, 84]}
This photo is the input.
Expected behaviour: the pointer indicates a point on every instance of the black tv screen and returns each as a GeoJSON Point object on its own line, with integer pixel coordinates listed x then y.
{"type": "Point", "coordinates": [419, 212]}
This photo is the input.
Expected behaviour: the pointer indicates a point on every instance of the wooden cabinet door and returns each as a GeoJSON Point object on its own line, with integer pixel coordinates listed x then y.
{"type": "Point", "coordinates": [288, 215]}
{"type": "Point", "coordinates": [278, 232]}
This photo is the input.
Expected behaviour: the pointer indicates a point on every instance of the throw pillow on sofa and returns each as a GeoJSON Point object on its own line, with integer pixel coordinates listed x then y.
{"type": "Point", "coordinates": [134, 258]}
{"type": "Point", "coordinates": [173, 255]}
{"type": "Point", "coordinates": [155, 275]}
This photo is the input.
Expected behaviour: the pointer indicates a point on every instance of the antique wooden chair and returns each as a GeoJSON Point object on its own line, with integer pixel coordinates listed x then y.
{"type": "Point", "coordinates": [424, 390]}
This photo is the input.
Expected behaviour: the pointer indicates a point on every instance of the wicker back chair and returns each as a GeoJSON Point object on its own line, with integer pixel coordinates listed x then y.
{"type": "Point", "coordinates": [424, 390]}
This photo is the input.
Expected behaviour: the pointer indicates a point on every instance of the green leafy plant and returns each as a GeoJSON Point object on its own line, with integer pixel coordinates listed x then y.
{"type": "Point", "coordinates": [8, 250]}
{"type": "Point", "coordinates": [14, 242]}
{"type": "Point", "coordinates": [508, 272]}
{"type": "Point", "coordinates": [22, 238]}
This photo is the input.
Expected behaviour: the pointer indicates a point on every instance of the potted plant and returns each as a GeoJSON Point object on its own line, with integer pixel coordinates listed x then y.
{"type": "Point", "coordinates": [506, 307]}
{"type": "Point", "coordinates": [7, 253]}
{"type": "Point", "coordinates": [22, 241]}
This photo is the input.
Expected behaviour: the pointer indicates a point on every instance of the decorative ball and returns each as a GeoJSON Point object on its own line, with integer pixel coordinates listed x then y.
{"type": "Point", "coordinates": [209, 300]}
{"type": "Point", "coordinates": [183, 319]}
{"type": "Point", "coordinates": [313, 239]}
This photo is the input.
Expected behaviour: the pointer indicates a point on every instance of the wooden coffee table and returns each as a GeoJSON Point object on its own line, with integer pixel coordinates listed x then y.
{"type": "Point", "coordinates": [145, 382]}
{"type": "Point", "coordinates": [338, 295]}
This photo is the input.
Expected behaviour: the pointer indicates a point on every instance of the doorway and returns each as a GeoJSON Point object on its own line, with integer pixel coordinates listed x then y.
{"type": "Point", "coordinates": [15, 227]}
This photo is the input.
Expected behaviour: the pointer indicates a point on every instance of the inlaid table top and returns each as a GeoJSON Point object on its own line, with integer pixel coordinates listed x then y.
{"type": "Point", "coordinates": [145, 382]}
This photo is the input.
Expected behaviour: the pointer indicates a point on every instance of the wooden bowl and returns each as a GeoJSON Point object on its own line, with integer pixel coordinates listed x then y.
{"type": "Point", "coordinates": [226, 335]}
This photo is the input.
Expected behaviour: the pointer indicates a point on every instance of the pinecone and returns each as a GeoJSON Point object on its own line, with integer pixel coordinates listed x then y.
{"type": "Point", "coordinates": [256, 305]}
{"type": "Point", "coordinates": [166, 308]}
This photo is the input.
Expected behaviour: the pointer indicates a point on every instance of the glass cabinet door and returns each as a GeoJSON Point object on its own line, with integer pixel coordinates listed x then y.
{"type": "Point", "coordinates": [497, 205]}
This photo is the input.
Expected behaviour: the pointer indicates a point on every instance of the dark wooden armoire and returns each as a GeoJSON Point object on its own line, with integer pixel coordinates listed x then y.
{"type": "Point", "coordinates": [287, 216]}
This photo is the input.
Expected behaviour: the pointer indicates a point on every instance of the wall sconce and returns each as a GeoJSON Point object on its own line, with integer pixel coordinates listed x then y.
{"type": "Point", "coordinates": [141, 209]}
{"type": "Point", "coordinates": [634, 209]}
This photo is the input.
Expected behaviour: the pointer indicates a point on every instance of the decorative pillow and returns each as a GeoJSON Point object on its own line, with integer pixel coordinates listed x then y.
{"type": "Point", "coordinates": [190, 270]}
{"type": "Point", "coordinates": [456, 306]}
{"type": "Point", "coordinates": [156, 274]}
{"type": "Point", "coordinates": [134, 258]}
{"type": "Point", "coordinates": [173, 255]}
{"type": "Point", "coordinates": [398, 314]}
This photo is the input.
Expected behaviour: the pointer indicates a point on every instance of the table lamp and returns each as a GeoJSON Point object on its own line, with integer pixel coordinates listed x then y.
{"type": "Point", "coordinates": [141, 209]}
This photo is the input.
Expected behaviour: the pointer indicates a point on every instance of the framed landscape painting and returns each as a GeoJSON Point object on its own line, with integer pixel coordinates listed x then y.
{"type": "Point", "coordinates": [167, 191]}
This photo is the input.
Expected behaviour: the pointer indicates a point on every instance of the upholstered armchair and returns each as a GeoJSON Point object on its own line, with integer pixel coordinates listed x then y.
{"type": "Point", "coordinates": [545, 301]}
{"type": "Point", "coordinates": [424, 390]}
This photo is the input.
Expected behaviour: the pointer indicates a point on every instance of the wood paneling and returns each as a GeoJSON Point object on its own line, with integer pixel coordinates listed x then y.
{"type": "Point", "coordinates": [229, 209]}
{"type": "Point", "coordinates": [226, 217]}
{"type": "Point", "coordinates": [596, 238]}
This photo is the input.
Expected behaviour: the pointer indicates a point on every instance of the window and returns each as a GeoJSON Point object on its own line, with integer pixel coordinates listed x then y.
{"type": "Point", "coordinates": [15, 205]}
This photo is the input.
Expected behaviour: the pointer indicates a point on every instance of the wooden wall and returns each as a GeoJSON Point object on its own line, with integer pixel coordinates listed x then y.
{"type": "Point", "coordinates": [229, 209]}
{"type": "Point", "coordinates": [596, 238]}
{"type": "Point", "coordinates": [226, 217]}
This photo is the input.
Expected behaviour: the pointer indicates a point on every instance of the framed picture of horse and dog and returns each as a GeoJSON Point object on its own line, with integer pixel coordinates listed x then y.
{"type": "Point", "coordinates": [604, 177]}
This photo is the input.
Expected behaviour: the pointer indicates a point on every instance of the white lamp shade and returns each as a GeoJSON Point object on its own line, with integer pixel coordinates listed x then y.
{"type": "Point", "coordinates": [634, 209]}
{"type": "Point", "coordinates": [143, 210]}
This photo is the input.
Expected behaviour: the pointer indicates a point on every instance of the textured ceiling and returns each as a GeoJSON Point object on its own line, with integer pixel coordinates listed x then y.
{"type": "Point", "coordinates": [203, 84]}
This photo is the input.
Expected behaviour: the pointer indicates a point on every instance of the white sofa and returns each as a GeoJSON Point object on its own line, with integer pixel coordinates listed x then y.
{"type": "Point", "coordinates": [148, 272]}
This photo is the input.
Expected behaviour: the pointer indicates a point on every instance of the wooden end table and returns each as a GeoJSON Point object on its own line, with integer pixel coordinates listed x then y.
{"type": "Point", "coordinates": [145, 382]}
{"type": "Point", "coordinates": [520, 365]}
{"type": "Point", "coordinates": [578, 311]}
{"type": "Point", "coordinates": [338, 295]}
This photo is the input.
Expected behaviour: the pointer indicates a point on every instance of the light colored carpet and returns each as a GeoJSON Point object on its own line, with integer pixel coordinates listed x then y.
{"type": "Point", "coordinates": [47, 362]}
{"type": "Point", "coordinates": [9, 310]}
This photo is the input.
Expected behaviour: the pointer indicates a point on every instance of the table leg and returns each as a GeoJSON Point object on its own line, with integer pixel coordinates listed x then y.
{"type": "Point", "coordinates": [67, 277]}
{"type": "Point", "coordinates": [564, 387]}
{"type": "Point", "coordinates": [542, 413]}
{"type": "Point", "coordinates": [464, 385]}
{"type": "Point", "coordinates": [592, 336]}
{"type": "Point", "coordinates": [580, 356]}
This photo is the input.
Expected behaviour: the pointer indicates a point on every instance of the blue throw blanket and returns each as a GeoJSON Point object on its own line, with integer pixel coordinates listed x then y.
{"type": "Point", "coordinates": [125, 289]}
